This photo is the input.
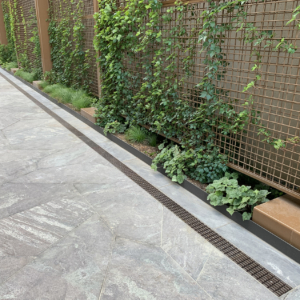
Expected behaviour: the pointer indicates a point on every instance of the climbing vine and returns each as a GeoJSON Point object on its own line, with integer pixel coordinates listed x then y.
{"type": "Point", "coordinates": [21, 45]}
{"type": "Point", "coordinates": [36, 65]}
{"type": "Point", "coordinates": [71, 63]}
{"type": "Point", "coordinates": [155, 95]}
{"type": "Point", "coordinates": [7, 52]}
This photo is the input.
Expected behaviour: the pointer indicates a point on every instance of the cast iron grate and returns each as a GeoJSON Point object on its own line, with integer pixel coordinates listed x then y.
{"type": "Point", "coordinates": [261, 274]}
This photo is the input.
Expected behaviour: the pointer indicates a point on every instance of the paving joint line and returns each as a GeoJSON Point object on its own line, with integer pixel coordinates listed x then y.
{"type": "Point", "coordinates": [273, 283]}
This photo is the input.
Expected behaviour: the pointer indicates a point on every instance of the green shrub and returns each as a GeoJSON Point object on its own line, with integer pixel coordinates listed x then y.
{"type": "Point", "coordinates": [208, 166]}
{"type": "Point", "coordinates": [50, 88]}
{"type": "Point", "coordinates": [62, 93]}
{"type": "Point", "coordinates": [59, 92]}
{"type": "Point", "coordinates": [174, 161]}
{"type": "Point", "coordinates": [152, 140]}
{"type": "Point", "coordinates": [44, 84]}
{"type": "Point", "coordinates": [227, 191]}
{"type": "Point", "coordinates": [114, 127]}
{"type": "Point", "coordinates": [6, 53]}
{"type": "Point", "coordinates": [204, 166]}
{"type": "Point", "coordinates": [78, 98]}
{"type": "Point", "coordinates": [135, 134]}
{"type": "Point", "coordinates": [30, 77]}
{"type": "Point", "coordinates": [10, 65]}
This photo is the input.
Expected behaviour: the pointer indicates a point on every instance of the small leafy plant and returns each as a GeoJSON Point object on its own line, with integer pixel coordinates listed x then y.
{"type": "Point", "coordinates": [6, 53]}
{"type": "Point", "coordinates": [114, 127]}
{"type": "Point", "coordinates": [78, 98]}
{"type": "Point", "coordinates": [44, 84]}
{"type": "Point", "coordinates": [208, 166]}
{"type": "Point", "coordinates": [204, 166]}
{"type": "Point", "coordinates": [174, 161]}
{"type": "Point", "coordinates": [227, 191]}
{"type": "Point", "coordinates": [152, 140]}
{"type": "Point", "coordinates": [136, 134]}
{"type": "Point", "coordinates": [28, 76]}
{"type": "Point", "coordinates": [10, 65]}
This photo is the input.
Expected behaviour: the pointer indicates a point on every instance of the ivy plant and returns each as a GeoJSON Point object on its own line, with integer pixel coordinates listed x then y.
{"type": "Point", "coordinates": [71, 62]}
{"type": "Point", "coordinates": [197, 164]}
{"type": "Point", "coordinates": [7, 52]}
{"type": "Point", "coordinates": [174, 161]}
{"type": "Point", "coordinates": [227, 191]}
{"type": "Point", "coordinates": [114, 127]}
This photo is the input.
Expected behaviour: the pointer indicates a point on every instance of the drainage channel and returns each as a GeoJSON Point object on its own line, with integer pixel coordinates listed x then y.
{"type": "Point", "coordinates": [261, 274]}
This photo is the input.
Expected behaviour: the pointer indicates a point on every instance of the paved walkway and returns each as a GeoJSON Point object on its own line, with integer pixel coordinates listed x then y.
{"type": "Point", "coordinates": [72, 226]}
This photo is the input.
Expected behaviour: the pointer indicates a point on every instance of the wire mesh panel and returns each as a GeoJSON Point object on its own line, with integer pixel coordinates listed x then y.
{"type": "Point", "coordinates": [25, 23]}
{"type": "Point", "coordinates": [276, 96]}
{"type": "Point", "coordinates": [63, 8]}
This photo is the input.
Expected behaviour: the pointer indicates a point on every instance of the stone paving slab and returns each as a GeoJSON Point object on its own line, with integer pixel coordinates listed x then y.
{"type": "Point", "coordinates": [74, 268]}
{"type": "Point", "coordinates": [72, 226]}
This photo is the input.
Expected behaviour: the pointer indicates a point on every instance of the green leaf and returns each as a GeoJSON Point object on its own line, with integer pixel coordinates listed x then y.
{"type": "Point", "coordinates": [247, 216]}
{"type": "Point", "coordinates": [180, 178]}
{"type": "Point", "coordinates": [230, 210]}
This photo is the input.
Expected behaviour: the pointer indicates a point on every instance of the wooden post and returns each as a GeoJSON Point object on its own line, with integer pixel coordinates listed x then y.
{"type": "Point", "coordinates": [3, 38]}
{"type": "Point", "coordinates": [42, 7]}
{"type": "Point", "coordinates": [96, 9]}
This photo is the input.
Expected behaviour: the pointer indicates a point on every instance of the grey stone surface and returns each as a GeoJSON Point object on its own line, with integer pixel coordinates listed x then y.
{"type": "Point", "coordinates": [6, 120]}
{"type": "Point", "coordinates": [143, 217]}
{"type": "Point", "coordinates": [117, 151]}
{"type": "Point", "coordinates": [138, 271]}
{"type": "Point", "coordinates": [19, 107]}
{"type": "Point", "coordinates": [36, 133]}
{"type": "Point", "coordinates": [145, 171]}
{"type": "Point", "coordinates": [48, 135]}
{"type": "Point", "coordinates": [18, 197]}
{"type": "Point", "coordinates": [81, 154]}
{"type": "Point", "coordinates": [24, 125]}
{"type": "Point", "coordinates": [25, 235]}
{"type": "Point", "coordinates": [77, 173]}
{"type": "Point", "coordinates": [263, 253]}
{"type": "Point", "coordinates": [3, 141]}
{"type": "Point", "coordinates": [293, 295]}
{"type": "Point", "coordinates": [26, 115]}
{"type": "Point", "coordinates": [72, 269]}
{"type": "Point", "coordinates": [15, 163]}
{"type": "Point", "coordinates": [223, 279]}
{"type": "Point", "coordinates": [41, 143]}
{"type": "Point", "coordinates": [14, 99]}
{"type": "Point", "coordinates": [184, 245]}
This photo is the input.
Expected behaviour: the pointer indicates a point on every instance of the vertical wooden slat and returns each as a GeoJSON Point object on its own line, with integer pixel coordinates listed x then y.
{"type": "Point", "coordinates": [96, 9]}
{"type": "Point", "coordinates": [3, 38]}
{"type": "Point", "coordinates": [42, 7]}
